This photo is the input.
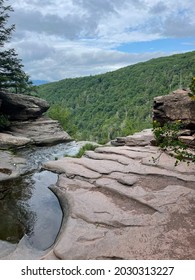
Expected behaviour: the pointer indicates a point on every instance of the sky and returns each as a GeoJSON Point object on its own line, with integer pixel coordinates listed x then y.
{"type": "Point", "coordinates": [58, 39]}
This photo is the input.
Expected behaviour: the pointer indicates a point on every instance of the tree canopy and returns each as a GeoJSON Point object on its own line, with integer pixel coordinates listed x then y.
{"type": "Point", "coordinates": [118, 103]}
{"type": "Point", "coordinates": [12, 76]}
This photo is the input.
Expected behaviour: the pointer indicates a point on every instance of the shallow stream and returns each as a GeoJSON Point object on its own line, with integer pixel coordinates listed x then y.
{"type": "Point", "coordinates": [27, 206]}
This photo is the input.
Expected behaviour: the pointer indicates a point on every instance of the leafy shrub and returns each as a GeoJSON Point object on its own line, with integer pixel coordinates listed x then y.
{"type": "Point", "coordinates": [192, 87]}
{"type": "Point", "coordinates": [4, 122]}
{"type": "Point", "coordinates": [167, 139]}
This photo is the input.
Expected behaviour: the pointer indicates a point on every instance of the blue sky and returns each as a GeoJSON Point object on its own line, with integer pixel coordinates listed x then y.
{"type": "Point", "coordinates": [174, 45]}
{"type": "Point", "coordinates": [58, 39]}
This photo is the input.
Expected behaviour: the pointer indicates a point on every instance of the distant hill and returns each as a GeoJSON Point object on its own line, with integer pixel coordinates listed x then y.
{"type": "Point", "coordinates": [117, 103]}
{"type": "Point", "coordinates": [39, 82]}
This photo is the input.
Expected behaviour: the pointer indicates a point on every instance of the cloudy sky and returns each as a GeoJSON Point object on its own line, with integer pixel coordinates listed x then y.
{"type": "Point", "coordinates": [58, 39]}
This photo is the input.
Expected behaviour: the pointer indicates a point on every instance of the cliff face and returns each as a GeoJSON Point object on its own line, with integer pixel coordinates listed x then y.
{"type": "Point", "coordinates": [22, 107]}
{"type": "Point", "coordinates": [27, 123]}
{"type": "Point", "coordinates": [175, 106]}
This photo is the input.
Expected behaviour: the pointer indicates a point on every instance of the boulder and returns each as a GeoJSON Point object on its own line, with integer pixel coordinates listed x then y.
{"type": "Point", "coordinates": [142, 138]}
{"type": "Point", "coordinates": [175, 106]}
{"type": "Point", "coordinates": [42, 131]}
{"type": "Point", "coordinates": [9, 141]}
{"type": "Point", "coordinates": [21, 107]}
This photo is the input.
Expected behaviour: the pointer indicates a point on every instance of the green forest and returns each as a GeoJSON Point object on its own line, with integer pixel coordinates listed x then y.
{"type": "Point", "coordinates": [118, 103]}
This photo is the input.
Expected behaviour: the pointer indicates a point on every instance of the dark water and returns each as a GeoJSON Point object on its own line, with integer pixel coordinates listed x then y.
{"type": "Point", "coordinates": [27, 206]}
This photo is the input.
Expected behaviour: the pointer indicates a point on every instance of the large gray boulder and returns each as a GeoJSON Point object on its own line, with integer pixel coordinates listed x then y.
{"type": "Point", "coordinates": [21, 107]}
{"type": "Point", "coordinates": [42, 131]}
{"type": "Point", "coordinates": [175, 106]}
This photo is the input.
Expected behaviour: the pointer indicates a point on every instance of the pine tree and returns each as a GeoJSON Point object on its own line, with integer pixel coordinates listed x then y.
{"type": "Point", "coordinates": [12, 76]}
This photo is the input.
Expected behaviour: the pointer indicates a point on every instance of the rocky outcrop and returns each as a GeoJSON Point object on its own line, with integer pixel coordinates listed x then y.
{"type": "Point", "coordinates": [175, 106]}
{"type": "Point", "coordinates": [26, 123]}
{"type": "Point", "coordinates": [22, 107]}
{"type": "Point", "coordinates": [125, 203]}
{"type": "Point", "coordinates": [8, 141]}
{"type": "Point", "coordinates": [42, 131]}
{"type": "Point", "coordinates": [143, 138]}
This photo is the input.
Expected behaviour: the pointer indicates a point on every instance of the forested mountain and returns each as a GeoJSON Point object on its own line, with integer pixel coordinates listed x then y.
{"type": "Point", "coordinates": [117, 103]}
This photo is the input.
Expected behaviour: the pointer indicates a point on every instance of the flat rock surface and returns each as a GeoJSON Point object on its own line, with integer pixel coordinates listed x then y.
{"type": "Point", "coordinates": [125, 203]}
{"type": "Point", "coordinates": [11, 166]}
{"type": "Point", "coordinates": [7, 141]}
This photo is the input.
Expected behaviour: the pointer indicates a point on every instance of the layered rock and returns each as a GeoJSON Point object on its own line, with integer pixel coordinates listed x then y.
{"type": "Point", "coordinates": [175, 106]}
{"type": "Point", "coordinates": [27, 125]}
{"type": "Point", "coordinates": [143, 138]}
{"type": "Point", "coordinates": [125, 203]}
{"type": "Point", "coordinates": [42, 131]}
{"type": "Point", "coordinates": [21, 107]}
{"type": "Point", "coordinates": [7, 140]}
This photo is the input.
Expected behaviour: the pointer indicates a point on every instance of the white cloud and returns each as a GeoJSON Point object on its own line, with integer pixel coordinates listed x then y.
{"type": "Point", "coordinates": [58, 39]}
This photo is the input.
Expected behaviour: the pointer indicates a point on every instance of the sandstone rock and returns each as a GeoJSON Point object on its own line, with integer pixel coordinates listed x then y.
{"type": "Point", "coordinates": [70, 168]}
{"type": "Point", "coordinates": [142, 138]}
{"type": "Point", "coordinates": [42, 131]}
{"type": "Point", "coordinates": [167, 162]}
{"type": "Point", "coordinates": [22, 107]}
{"type": "Point", "coordinates": [111, 213]}
{"type": "Point", "coordinates": [10, 166]}
{"type": "Point", "coordinates": [128, 152]}
{"type": "Point", "coordinates": [175, 106]}
{"type": "Point", "coordinates": [9, 141]}
{"type": "Point", "coordinates": [188, 140]}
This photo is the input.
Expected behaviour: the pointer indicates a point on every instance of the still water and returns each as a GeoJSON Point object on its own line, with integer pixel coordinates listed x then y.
{"type": "Point", "coordinates": [27, 206]}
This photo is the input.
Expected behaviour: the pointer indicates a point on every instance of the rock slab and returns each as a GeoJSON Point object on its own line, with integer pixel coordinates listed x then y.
{"type": "Point", "coordinates": [120, 203]}
{"type": "Point", "coordinates": [175, 106]}
{"type": "Point", "coordinates": [42, 131]}
{"type": "Point", "coordinates": [22, 107]}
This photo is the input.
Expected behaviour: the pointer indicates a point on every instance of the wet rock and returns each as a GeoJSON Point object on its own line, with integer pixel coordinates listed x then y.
{"type": "Point", "coordinates": [11, 166]}
{"type": "Point", "coordinates": [22, 107]}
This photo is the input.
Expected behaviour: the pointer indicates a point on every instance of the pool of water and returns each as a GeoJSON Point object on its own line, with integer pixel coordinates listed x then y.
{"type": "Point", "coordinates": [27, 205]}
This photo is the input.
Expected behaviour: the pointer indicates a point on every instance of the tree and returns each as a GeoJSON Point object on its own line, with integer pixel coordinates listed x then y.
{"type": "Point", "coordinates": [12, 76]}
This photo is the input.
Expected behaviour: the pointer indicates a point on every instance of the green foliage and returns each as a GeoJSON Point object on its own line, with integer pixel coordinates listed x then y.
{"type": "Point", "coordinates": [64, 116]}
{"type": "Point", "coordinates": [12, 76]}
{"type": "Point", "coordinates": [192, 87]}
{"type": "Point", "coordinates": [57, 112]}
{"type": "Point", "coordinates": [86, 147]}
{"type": "Point", "coordinates": [118, 103]}
{"type": "Point", "coordinates": [4, 122]}
{"type": "Point", "coordinates": [167, 139]}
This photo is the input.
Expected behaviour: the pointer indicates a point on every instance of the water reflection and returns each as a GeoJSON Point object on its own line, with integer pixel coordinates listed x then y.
{"type": "Point", "coordinates": [30, 207]}
{"type": "Point", "coordinates": [15, 217]}
{"type": "Point", "coordinates": [27, 206]}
